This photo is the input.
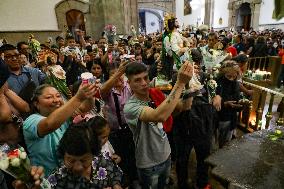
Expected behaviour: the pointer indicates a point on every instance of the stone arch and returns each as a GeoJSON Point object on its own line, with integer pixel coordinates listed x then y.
{"type": "Point", "coordinates": [234, 5]}
{"type": "Point", "coordinates": [64, 6]}
{"type": "Point", "coordinates": [156, 13]}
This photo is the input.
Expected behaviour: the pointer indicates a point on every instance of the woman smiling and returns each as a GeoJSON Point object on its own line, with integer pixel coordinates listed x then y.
{"type": "Point", "coordinates": [44, 129]}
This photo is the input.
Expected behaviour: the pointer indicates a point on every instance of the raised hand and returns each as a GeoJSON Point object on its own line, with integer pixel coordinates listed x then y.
{"type": "Point", "coordinates": [86, 91]}
{"type": "Point", "coordinates": [185, 73]}
{"type": "Point", "coordinates": [37, 173]}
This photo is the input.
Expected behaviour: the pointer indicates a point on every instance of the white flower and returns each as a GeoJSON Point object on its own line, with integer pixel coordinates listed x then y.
{"type": "Point", "coordinates": [4, 163]}
{"type": "Point", "coordinates": [15, 162]}
{"type": "Point", "coordinates": [23, 155]}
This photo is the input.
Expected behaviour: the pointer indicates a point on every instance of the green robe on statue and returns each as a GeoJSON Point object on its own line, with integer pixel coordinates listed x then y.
{"type": "Point", "coordinates": [278, 12]}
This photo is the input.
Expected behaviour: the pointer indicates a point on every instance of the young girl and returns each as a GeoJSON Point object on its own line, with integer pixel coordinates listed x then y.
{"type": "Point", "coordinates": [101, 129]}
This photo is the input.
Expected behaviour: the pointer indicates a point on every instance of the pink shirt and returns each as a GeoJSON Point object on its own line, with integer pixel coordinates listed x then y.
{"type": "Point", "coordinates": [110, 110]}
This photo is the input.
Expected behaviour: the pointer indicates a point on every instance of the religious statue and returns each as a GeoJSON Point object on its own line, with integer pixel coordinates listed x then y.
{"type": "Point", "coordinates": [177, 48]}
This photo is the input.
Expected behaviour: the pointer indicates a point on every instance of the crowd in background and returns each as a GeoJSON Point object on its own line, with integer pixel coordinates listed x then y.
{"type": "Point", "coordinates": [96, 134]}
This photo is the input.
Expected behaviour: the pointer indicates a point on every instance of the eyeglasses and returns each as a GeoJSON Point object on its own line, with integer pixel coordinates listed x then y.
{"type": "Point", "coordinates": [12, 57]}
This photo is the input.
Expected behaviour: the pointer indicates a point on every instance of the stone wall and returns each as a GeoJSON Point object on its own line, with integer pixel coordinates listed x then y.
{"type": "Point", "coordinates": [122, 14]}
{"type": "Point", "coordinates": [164, 5]}
{"type": "Point", "coordinates": [97, 14]}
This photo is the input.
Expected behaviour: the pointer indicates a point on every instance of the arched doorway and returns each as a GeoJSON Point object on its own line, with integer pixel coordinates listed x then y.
{"type": "Point", "coordinates": [150, 20]}
{"type": "Point", "coordinates": [243, 20]}
{"type": "Point", "coordinates": [75, 20]}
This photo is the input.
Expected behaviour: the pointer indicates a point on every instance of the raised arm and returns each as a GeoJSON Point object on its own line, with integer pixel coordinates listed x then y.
{"type": "Point", "coordinates": [164, 110]}
{"type": "Point", "coordinates": [18, 103]}
{"type": "Point", "coordinates": [5, 111]}
{"type": "Point", "coordinates": [108, 85]}
{"type": "Point", "coordinates": [60, 115]}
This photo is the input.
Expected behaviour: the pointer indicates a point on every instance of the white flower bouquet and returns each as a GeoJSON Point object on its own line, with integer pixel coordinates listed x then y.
{"type": "Point", "coordinates": [212, 57]}
{"type": "Point", "coordinates": [15, 162]}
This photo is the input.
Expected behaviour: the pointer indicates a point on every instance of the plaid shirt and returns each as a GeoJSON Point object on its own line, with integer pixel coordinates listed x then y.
{"type": "Point", "coordinates": [105, 173]}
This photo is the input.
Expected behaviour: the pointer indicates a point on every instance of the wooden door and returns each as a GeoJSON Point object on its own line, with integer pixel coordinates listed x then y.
{"type": "Point", "coordinates": [247, 21]}
{"type": "Point", "coordinates": [75, 20]}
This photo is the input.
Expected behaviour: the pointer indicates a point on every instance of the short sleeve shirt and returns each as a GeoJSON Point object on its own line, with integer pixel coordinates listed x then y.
{"type": "Point", "coordinates": [18, 82]}
{"type": "Point", "coordinates": [151, 142]}
{"type": "Point", "coordinates": [42, 150]}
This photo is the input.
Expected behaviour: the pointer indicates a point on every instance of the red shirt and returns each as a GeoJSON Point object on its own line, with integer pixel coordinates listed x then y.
{"type": "Point", "coordinates": [158, 97]}
{"type": "Point", "coordinates": [281, 53]}
{"type": "Point", "coordinates": [232, 50]}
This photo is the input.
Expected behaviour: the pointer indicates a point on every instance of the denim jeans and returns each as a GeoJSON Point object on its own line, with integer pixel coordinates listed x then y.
{"type": "Point", "coordinates": [155, 177]}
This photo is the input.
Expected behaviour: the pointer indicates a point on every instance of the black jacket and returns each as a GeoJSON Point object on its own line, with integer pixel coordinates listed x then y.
{"type": "Point", "coordinates": [3, 184]}
{"type": "Point", "coordinates": [229, 91]}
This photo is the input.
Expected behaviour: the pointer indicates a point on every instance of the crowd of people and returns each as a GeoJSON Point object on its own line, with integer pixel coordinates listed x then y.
{"type": "Point", "coordinates": [118, 130]}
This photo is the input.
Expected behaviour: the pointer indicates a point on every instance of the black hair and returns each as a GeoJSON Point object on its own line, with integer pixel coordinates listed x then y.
{"type": "Point", "coordinates": [90, 64]}
{"type": "Point", "coordinates": [7, 47]}
{"type": "Point", "coordinates": [137, 45]}
{"type": "Point", "coordinates": [134, 69]}
{"type": "Point", "coordinates": [79, 140]}
{"type": "Point", "coordinates": [89, 48]}
{"type": "Point", "coordinates": [59, 38]}
{"type": "Point", "coordinates": [38, 91]}
{"type": "Point", "coordinates": [69, 37]}
{"type": "Point", "coordinates": [48, 60]}
{"type": "Point", "coordinates": [196, 56]}
{"type": "Point", "coordinates": [171, 24]}
{"type": "Point", "coordinates": [87, 37]}
{"type": "Point", "coordinates": [260, 40]}
{"type": "Point", "coordinates": [241, 58]}
{"type": "Point", "coordinates": [19, 45]}
{"type": "Point", "coordinates": [97, 124]}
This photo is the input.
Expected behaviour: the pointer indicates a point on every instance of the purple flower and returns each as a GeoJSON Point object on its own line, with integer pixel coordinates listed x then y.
{"type": "Point", "coordinates": [101, 173]}
{"type": "Point", "coordinates": [106, 155]}
{"type": "Point", "coordinates": [52, 180]}
{"type": "Point", "coordinates": [95, 162]}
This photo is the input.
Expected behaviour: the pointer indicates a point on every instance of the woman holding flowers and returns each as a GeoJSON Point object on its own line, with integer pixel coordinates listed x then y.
{"type": "Point", "coordinates": [44, 129]}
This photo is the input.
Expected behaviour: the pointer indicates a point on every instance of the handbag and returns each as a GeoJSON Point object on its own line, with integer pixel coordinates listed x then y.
{"type": "Point", "coordinates": [27, 92]}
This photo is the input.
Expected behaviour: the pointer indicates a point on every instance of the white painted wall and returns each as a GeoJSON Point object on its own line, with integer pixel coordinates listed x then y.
{"type": "Point", "coordinates": [151, 18]}
{"type": "Point", "coordinates": [19, 15]}
{"type": "Point", "coordinates": [198, 12]}
{"type": "Point", "coordinates": [266, 11]}
{"type": "Point", "coordinates": [25, 15]}
{"type": "Point", "coordinates": [220, 11]}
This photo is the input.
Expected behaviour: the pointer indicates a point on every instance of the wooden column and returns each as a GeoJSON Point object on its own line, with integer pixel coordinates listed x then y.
{"type": "Point", "coordinates": [269, 112]}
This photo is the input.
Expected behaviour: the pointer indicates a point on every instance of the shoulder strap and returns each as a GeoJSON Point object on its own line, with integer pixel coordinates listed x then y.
{"type": "Point", "coordinates": [115, 97]}
{"type": "Point", "coordinates": [28, 75]}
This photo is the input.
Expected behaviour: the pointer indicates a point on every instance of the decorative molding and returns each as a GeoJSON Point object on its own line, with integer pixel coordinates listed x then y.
{"type": "Point", "coordinates": [64, 6]}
